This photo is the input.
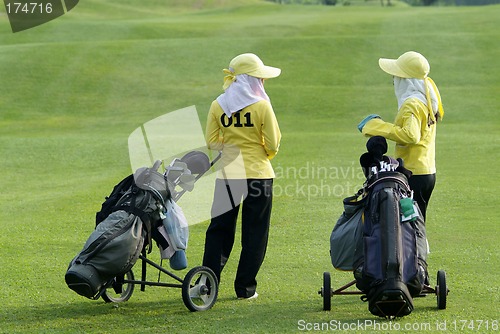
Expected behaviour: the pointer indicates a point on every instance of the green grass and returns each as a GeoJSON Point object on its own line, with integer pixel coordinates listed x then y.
{"type": "Point", "coordinates": [75, 88]}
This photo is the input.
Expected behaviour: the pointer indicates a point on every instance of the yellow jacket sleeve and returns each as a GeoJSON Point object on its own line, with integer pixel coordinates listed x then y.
{"type": "Point", "coordinates": [413, 134]}
{"type": "Point", "coordinates": [271, 134]}
{"type": "Point", "coordinates": [407, 129]}
{"type": "Point", "coordinates": [213, 134]}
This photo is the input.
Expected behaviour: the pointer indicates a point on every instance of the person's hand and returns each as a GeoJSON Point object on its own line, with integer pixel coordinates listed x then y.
{"type": "Point", "coordinates": [365, 120]}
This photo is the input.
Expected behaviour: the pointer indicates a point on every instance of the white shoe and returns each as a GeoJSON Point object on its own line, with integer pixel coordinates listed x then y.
{"type": "Point", "coordinates": [255, 295]}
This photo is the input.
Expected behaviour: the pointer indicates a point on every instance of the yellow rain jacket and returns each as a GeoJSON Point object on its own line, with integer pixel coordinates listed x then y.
{"type": "Point", "coordinates": [414, 132]}
{"type": "Point", "coordinates": [253, 131]}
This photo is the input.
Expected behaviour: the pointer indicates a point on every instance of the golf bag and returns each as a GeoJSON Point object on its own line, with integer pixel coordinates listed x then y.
{"type": "Point", "coordinates": [390, 268]}
{"type": "Point", "coordinates": [347, 233]}
{"type": "Point", "coordinates": [123, 230]}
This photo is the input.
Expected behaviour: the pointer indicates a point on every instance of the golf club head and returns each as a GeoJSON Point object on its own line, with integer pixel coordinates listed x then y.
{"type": "Point", "coordinates": [197, 162]}
{"type": "Point", "coordinates": [187, 181]}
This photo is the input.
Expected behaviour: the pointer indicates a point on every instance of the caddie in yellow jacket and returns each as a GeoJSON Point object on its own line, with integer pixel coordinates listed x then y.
{"type": "Point", "coordinates": [414, 128]}
{"type": "Point", "coordinates": [252, 131]}
{"type": "Point", "coordinates": [242, 125]}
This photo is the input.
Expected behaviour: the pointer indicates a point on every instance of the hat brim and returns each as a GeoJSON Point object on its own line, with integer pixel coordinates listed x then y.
{"type": "Point", "coordinates": [391, 67]}
{"type": "Point", "coordinates": [265, 72]}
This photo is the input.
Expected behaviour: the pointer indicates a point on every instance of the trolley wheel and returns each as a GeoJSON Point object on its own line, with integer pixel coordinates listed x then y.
{"type": "Point", "coordinates": [119, 291]}
{"type": "Point", "coordinates": [326, 292]}
{"type": "Point", "coordinates": [441, 290]}
{"type": "Point", "coordinates": [199, 289]}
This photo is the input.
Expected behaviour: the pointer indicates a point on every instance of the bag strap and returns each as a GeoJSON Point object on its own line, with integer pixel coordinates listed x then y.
{"type": "Point", "coordinates": [143, 216]}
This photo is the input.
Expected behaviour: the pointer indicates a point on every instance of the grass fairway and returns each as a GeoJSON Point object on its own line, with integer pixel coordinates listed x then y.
{"type": "Point", "coordinates": [75, 88]}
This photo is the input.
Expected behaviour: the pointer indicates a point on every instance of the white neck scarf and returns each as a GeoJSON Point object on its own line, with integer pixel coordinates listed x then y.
{"type": "Point", "coordinates": [408, 88]}
{"type": "Point", "coordinates": [244, 91]}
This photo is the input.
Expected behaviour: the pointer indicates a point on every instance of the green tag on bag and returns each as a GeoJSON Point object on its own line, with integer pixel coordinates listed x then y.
{"type": "Point", "coordinates": [408, 209]}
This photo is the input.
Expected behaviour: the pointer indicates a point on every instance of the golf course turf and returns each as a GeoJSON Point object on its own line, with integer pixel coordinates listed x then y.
{"type": "Point", "coordinates": [75, 88]}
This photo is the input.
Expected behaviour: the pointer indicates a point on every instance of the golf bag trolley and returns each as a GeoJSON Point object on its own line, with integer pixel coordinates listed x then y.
{"type": "Point", "coordinates": [381, 238]}
{"type": "Point", "coordinates": [139, 211]}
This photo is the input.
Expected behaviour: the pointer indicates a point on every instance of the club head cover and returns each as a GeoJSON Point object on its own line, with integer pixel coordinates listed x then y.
{"type": "Point", "coordinates": [367, 160]}
{"type": "Point", "coordinates": [377, 145]}
{"type": "Point", "coordinates": [401, 168]}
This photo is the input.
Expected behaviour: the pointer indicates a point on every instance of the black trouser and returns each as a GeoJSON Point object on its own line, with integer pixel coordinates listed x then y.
{"type": "Point", "coordinates": [422, 186]}
{"type": "Point", "coordinates": [255, 220]}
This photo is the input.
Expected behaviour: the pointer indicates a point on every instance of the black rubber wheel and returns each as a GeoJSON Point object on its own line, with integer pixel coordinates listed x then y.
{"type": "Point", "coordinates": [326, 292]}
{"type": "Point", "coordinates": [119, 291]}
{"type": "Point", "coordinates": [199, 289]}
{"type": "Point", "coordinates": [441, 290]}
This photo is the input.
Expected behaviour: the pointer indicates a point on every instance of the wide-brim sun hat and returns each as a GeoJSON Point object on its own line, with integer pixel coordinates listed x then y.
{"type": "Point", "coordinates": [410, 64]}
{"type": "Point", "coordinates": [251, 64]}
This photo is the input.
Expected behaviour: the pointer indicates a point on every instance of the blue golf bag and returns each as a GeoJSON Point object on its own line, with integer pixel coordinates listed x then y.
{"type": "Point", "coordinates": [390, 265]}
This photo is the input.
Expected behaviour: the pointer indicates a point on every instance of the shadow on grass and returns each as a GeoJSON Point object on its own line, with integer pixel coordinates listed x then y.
{"type": "Point", "coordinates": [268, 313]}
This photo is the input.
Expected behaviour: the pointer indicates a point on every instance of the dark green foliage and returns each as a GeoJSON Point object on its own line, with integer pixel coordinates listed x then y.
{"type": "Point", "coordinates": [451, 2]}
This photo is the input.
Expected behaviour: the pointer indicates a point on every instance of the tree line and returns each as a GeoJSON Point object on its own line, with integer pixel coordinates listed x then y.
{"type": "Point", "coordinates": [391, 2]}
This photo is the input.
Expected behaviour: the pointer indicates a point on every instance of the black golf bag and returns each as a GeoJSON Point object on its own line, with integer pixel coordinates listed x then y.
{"type": "Point", "coordinates": [123, 230]}
{"type": "Point", "coordinates": [391, 269]}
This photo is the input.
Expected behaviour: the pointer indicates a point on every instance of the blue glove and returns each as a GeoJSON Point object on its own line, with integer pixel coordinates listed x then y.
{"type": "Point", "coordinates": [365, 120]}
